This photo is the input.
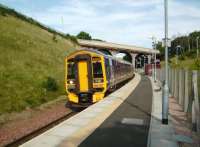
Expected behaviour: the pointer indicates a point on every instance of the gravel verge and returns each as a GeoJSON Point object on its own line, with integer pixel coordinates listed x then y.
{"type": "Point", "coordinates": [18, 125]}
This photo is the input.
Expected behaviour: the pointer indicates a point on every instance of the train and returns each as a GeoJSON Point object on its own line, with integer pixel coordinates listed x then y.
{"type": "Point", "coordinates": [89, 74]}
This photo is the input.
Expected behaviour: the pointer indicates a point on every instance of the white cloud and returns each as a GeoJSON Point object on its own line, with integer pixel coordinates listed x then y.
{"type": "Point", "coordinates": [121, 21]}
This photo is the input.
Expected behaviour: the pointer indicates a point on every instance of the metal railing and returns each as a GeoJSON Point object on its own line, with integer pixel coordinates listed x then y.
{"type": "Point", "coordinates": [184, 86]}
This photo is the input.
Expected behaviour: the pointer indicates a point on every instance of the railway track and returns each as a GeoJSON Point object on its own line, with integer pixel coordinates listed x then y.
{"type": "Point", "coordinates": [39, 131]}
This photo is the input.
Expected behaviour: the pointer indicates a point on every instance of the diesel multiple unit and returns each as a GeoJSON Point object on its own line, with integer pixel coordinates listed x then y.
{"type": "Point", "coordinates": [90, 74]}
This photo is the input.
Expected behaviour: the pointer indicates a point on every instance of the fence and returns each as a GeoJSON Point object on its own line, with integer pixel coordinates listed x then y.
{"type": "Point", "coordinates": [184, 86]}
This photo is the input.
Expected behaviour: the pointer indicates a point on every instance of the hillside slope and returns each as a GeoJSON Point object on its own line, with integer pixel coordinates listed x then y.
{"type": "Point", "coordinates": [28, 56]}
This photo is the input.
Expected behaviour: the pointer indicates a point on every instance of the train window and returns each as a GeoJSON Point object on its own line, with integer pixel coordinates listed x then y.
{"type": "Point", "coordinates": [97, 70]}
{"type": "Point", "coordinates": [107, 68]}
{"type": "Point", "coordinates": [96, 58]}
{"type": "Point", "coordinates": [71, 71]}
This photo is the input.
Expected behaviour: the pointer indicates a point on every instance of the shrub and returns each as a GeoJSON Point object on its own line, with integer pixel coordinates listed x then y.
{"type": "Point", "coordinates": [50, 84]}
{"type": "Point", "coordinates": [72, 38]}
{"type": "Point", "coordinates": [197, 64]}
{"type": "Point", "coordinates": [54, 38]}
{"type": "Point", "coordinates": [2, 13]}
{"type": "Point", "coordinates": [181, 57]}
{"type": "Point", "coordinates": [191, 54]}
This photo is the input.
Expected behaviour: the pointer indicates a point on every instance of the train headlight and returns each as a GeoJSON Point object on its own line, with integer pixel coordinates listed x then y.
{"type": "Point", "coordinates": [71, 82]}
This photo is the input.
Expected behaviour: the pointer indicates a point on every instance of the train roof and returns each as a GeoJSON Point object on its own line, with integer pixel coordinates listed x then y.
{"type": "Point", "coordinates": [101, 53]}
{"type": "Point", "coordinates": [106, 55]}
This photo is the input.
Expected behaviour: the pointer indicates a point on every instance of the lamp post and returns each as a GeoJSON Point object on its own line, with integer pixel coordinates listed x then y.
{"type": "Point", "coordinates": [197, 46]}
{"type": "Point", "coordinates": [153, 56]}
{"type": "Point", "coordinates": [154, 48]}
{"type": "Point", "coordinates": [166, 88]}
{"type": "Point", "coordinates": [155, 63]}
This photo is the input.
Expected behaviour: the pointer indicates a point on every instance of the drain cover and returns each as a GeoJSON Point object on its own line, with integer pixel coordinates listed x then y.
{"type": "Point", "coordinates": [132, 121]}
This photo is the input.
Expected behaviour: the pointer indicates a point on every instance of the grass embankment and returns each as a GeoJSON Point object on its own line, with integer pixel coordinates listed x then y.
{"type": "Point", "coordinates": [185, 61]}
{"type": "Point", "coordinates": [29, 55]}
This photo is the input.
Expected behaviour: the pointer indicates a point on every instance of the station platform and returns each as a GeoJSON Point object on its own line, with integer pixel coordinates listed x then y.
{"type": "Point", "coordinates": [130, 116]}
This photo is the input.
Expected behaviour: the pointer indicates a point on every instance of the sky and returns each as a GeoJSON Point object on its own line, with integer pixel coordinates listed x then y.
{"type": "Point", "coordinates": [131, 22]}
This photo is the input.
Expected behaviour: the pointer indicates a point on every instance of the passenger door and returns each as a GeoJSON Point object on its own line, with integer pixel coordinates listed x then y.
{"type": "Point", "coordinates": [83, 76]}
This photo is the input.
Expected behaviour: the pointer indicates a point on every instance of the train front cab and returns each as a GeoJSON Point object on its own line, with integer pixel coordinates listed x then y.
{"type": "Point", "coordinates": [84, 88]}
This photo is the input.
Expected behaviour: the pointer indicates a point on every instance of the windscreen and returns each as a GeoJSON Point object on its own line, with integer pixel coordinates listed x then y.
{"type": "Point", "coordinates": [71, 70]}
{"type": "Point", "coordinates": [97, 70]}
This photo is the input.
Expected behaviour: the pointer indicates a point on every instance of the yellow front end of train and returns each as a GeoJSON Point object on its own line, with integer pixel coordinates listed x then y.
{"type": "Point", "coordinates": [85, 79]}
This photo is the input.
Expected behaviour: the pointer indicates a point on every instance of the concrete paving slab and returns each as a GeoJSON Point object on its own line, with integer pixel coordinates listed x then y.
{"type": "Point", "coordinates": [78, 122]}
{"type": "Point", "coordinates": [63, 131]}
{"type": "Point", "coordinates": [46, 141]}
{"type": "Point", "coordinates": [160, 135]}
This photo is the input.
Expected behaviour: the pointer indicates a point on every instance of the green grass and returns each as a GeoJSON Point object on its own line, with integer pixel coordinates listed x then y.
{"type": "Point", "coordinates": [187, 62]}
{"type": "Point", "coordinates": [28, 56]}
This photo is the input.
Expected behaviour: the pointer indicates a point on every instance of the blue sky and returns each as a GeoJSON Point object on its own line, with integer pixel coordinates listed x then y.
{"type": "Point", "coordinates": [121, 21]}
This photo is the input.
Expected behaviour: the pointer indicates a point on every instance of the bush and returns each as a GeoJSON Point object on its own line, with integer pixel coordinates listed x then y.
{"type": "Point", "coordinates": [50, 84]}
{"type": "Point", "coordinates": [2, 13]}
{"type": "Point", "coordinates": [181, 57]}
{"type": "Point", "coordinates": [72, 38]}
{"type": "Point", "coordinates": [191, 54]}
{"type": "Point", "coordinates": [54, 38]}
{"type": "Point", "coordinates": [197, 64]}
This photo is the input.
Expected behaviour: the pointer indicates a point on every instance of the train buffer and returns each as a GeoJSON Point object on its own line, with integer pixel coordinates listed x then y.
{"type": "Point", "coordinates": [128, 117]}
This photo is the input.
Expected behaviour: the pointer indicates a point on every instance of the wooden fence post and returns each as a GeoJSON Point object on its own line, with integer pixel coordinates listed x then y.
{"type": "Point", "coordinates": [179, 88]}
{"type": "Point", "coordinates": [173, 82]}
{"type": "Point", "coordinates": [186, 92]}
{"type": "Point", "coordinates": [195, 106]}
{"type": "Point", "coordinates": [182, 88]}
{"type": "Point", "coordinates": [169, 77]}
{"type": "Point", "coordinates": [175, 85]}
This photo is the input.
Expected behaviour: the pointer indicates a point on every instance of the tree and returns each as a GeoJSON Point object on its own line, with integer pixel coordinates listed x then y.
{"type": "Point", "coordinates": [161, 49]}
{"type": "Point", "coordinates": [84, 35]}
{"type": "Point", "coordinates": [187, 43]}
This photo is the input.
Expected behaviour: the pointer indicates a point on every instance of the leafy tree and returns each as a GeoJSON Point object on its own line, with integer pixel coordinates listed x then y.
{"type": "Point", "coordinates": [187, 43]}
{"type": "Point", "coordinates": [84, 35]}
{"type": "Point", "coordinates": [161, 49]}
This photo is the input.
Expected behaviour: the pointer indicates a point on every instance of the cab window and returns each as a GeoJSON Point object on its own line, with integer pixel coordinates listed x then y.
{"type": "Point", "coordinates": [97, 70]}
{"type": "Point", "coordinates": [71, 70]}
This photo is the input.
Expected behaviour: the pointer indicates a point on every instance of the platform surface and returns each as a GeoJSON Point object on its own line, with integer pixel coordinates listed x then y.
{"type": "Point", "coordinates": [128, 125]}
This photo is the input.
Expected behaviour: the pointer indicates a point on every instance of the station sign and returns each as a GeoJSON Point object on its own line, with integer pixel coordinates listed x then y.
{"type": "Point", "coordinates": [168, 42]}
